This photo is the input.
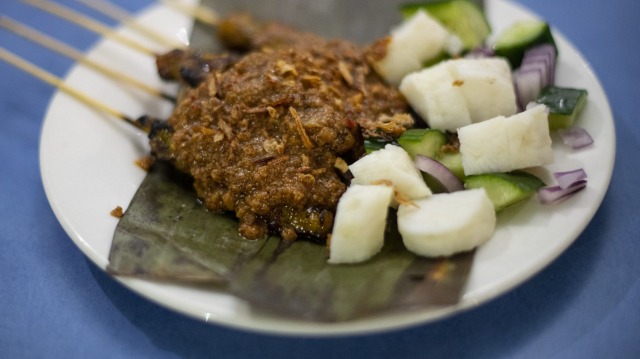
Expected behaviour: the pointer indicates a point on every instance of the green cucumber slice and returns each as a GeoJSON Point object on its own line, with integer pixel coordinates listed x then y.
{"type": "Point", "coordinates": [564, 105]}
{"type": "Point", "coordinates": [426, 142]}
{"type": "Point", "coordinates": [522, 35]}
{"type": "Point", "coordinates": [505, 189]}
{"type": "Point", "coordinates": [453, 161]}
{"type": "Point", "coordinates": [462, 17]}
{"type": "Point", "coordinates": [374, 144]}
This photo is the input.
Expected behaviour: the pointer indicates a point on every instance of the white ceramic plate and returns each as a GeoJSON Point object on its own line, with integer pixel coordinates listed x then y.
{"type": "Point", "coordinates": [87, 170]}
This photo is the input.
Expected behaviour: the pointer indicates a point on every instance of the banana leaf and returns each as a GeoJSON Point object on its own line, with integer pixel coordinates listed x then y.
{"type": "Point", "coordinates": [167, 234]}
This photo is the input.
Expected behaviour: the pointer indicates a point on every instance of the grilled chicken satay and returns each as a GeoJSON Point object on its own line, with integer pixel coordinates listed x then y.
{"type": "Point", "coordinates": [192, 67]}
{"type": "Point", "coordinates": [268, 135]}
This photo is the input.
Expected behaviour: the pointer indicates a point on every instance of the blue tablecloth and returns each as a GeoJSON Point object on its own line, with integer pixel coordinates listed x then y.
{"type": "Point", "coordinates": [55, 303]}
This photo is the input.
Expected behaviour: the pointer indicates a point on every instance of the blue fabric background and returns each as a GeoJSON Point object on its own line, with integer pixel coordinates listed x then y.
{"type": "Point", "coordinates": [54, 303]}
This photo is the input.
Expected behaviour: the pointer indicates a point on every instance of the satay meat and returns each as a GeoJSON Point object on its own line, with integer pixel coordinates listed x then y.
{"type": "Point", "coordinates": [267, 136]}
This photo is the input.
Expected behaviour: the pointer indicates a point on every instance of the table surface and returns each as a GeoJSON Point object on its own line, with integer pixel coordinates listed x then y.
{"type": "Point", "coordinates": [55, 303]}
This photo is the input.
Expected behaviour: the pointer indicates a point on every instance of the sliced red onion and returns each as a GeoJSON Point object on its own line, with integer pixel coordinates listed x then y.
{"type": "Point", "coordinates": [528, 84]}
{"type": "Point", "coordinates": [569, 182]}
{"type": "Point", "coordinates": [541, 60]}
{"type": "Point", "coordinates": [556, 194]}
{"type": "Point", "coordinates": [440, 172]}
{"type": "Point", "coordinates": [536, 72]}
{"type": "Point", "coordinates": [548, 52]}
{"type": "Point", "coordinates": [543, 63]}
{"type": "Point", "coordinates": [568, 178]}
{"type": "Point", "coordinates": [537, 65]}
{"type": "Point", "coordinates": [575, 137]}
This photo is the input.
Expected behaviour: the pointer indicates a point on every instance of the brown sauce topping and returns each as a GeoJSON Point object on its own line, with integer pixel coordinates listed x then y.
{"type": "Point", "coordinates": [262, 136]}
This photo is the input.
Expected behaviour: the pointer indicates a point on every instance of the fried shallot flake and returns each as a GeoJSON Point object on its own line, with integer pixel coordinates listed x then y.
{"type": "Point", "coordinates": [145, 162]}
{"type": "Point", "coordinates": [117, 212]}
{"type": "Point", "coordinates": [288, 117]}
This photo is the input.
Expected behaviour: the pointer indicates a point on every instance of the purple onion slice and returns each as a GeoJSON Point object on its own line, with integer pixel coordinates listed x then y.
{"type": "Point", "coordinates": [440, 172]}
{"type": "Point", "coordinates": [528, 84]}
{"type": "Point", "coordinates": [568, 178]}
{"type": "Point", "coordinates": [548, 51]}
{"type": "Point", "coordinates": [556, 194]}
{"type": "Point", "coordinates": [575, 137]}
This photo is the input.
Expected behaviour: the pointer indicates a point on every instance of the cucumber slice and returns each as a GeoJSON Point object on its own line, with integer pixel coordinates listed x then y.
{"type": "Point", "coordinates": [516, 39]}
{"type": "Point", "coordinates": [453, 161]}
{"type": "Point", "coordinates": [429, 142]}
{"type": "Point", "coordinates": [374, 144]}
{"type": "Point", "coordinates": [462, 17]}
{"type": "Point", "coordinates": [426, 142]}
{"type": "Point", "coordinates": [564, 105]}
{"type": "Point", "coordinates": [505, 189]}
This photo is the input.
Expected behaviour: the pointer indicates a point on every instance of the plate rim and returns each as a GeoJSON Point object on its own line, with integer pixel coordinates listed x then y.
{"type": "Point", "coordinates": [302, 328]}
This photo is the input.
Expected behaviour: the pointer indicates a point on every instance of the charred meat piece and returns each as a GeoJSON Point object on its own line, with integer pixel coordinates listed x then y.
{"type": "Point", "coordinates": [268, 137]}
{"type": "Point", "coordinates": [191, 67]}
{"type": "Point", "coordinates": [243, 32]}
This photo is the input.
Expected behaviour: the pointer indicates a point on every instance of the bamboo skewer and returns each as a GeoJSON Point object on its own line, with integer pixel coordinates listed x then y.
{"type": "Point", "coordinates": [51, 79]}
{"type": "Point", "coordinates": [88, 23]}
{"type": "Point", "coordinates": [117, 13]}
{"type": "Point", "coordinates": [200, 13]}
{"type": "Point", "coordinates": [63, 49]}
{"type": "Point", "coordinates": [144, 123]}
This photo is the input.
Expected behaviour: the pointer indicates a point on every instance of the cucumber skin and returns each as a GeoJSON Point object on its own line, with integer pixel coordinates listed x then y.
{"type": "Point", "coordinates": [453, 161]}
{"type": "Point", "coordinates": [442, 9]}
{"type": "Point", "coordinates": [426, 142]}
{"type": "Point", "coordinates": [514, 52]}
{"type": "Point", "coordinates": [374, 144]}
{"type": "Point", "coordinates": [564, 105]}
{"type": "Point", "coordinates": [505, 189]}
